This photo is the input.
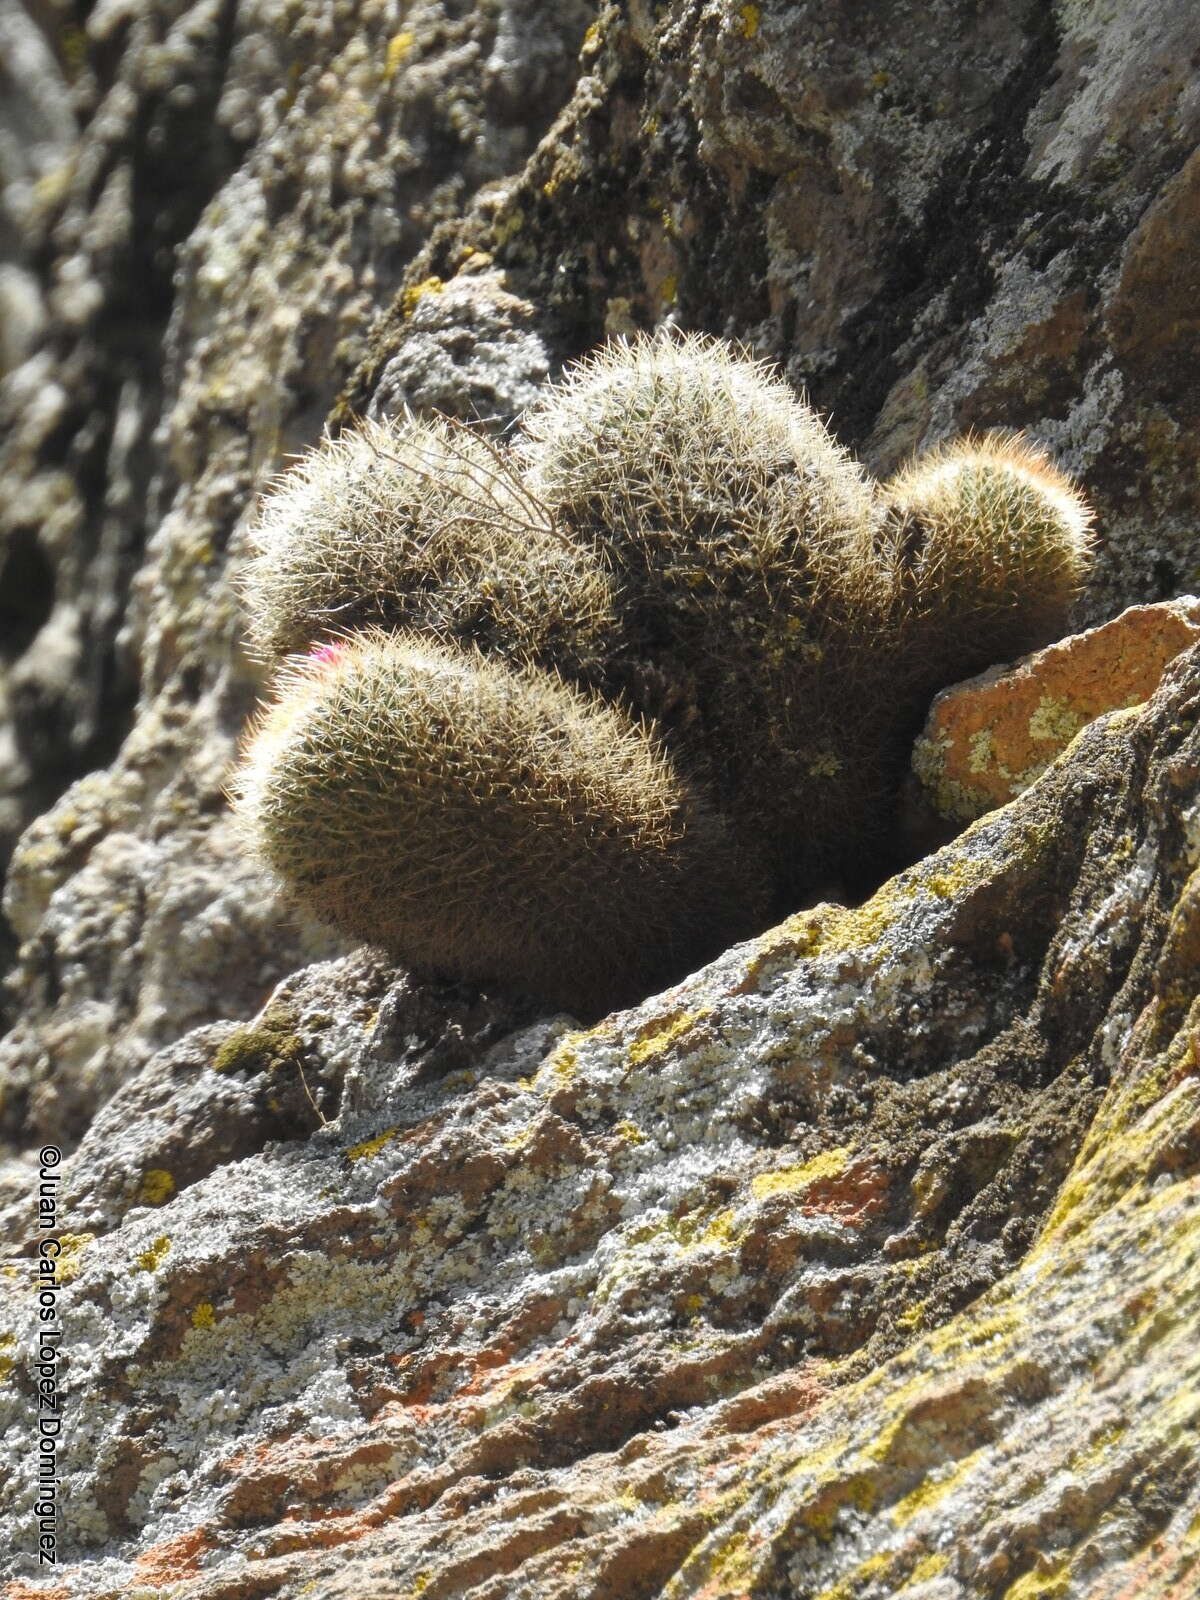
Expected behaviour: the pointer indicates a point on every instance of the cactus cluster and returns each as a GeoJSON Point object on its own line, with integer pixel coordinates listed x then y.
{"type": "Point", "coordinates": [573, 714]}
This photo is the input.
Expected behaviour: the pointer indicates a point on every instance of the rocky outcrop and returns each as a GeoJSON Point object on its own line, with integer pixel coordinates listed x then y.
{"type": "Point", "coordinates": [204, 329]}
{"type": "Point", "coordinates": [864, 1263]}
{"type": "Point", "coordinates": [943, 223]}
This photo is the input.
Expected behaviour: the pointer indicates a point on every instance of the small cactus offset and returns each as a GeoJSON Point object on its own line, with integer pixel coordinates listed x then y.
{"type": "Point", "coordinates": [578, 712]}
{"type": "Point", "coordinates": [988, 544]}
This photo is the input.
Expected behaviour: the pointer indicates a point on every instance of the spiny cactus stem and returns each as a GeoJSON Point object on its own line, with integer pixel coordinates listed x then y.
{"type": "Point", "coordinates": [537, 519]}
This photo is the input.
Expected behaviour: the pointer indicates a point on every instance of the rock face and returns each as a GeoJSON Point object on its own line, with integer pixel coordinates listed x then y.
{"type": "Point", "coordinates": [866, 1262]}
{"type": "Point", "coordinates": [986, 740]}
{"type": "Point", "coordinates": [204, 328]}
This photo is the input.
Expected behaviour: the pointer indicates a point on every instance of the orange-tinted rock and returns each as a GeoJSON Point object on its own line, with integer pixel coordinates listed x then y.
{"type": "Point", "coordinates": [986, 740]}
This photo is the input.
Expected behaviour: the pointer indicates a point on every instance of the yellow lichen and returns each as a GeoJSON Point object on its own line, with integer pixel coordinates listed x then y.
{"type": "Point", "coordinates": [659, 1034]}
{"type": "Point", "coordinates": [732, 1565]}
{"type": "Point", "coordinates": [398, 48]}
{"type": "Point", "coordinates": [560, 1064]}
{"type": "Point", "coordinates": [789, 1180]}
{"type": "Point", "coordinates": [371, 1147]}
{"type": "Point", "coordinates": [506, 227]}
{"type": "Point", "coordinates": [857, 1489]}
{"type": "Point", "coordinates": [932, 1491]}
{"type": "Point", "coordinates": [157, 1187]}
{"type": "Point", "coordinates": [1099, 1449]}
{"type": "Point", "coordinates": [911, 1319]}
{"type": "Point", "coordinates": [204, 1316]}
{"type": "Point", "coordinates": [557, 1070]}
{"type": "Point", "coordinates": [748, 20]}
{"type": "Point", "coordinates": [1047, 1581]}
{"type": "Point", "coordinates": [150, 1260]}
{"type": "Point", "coordinates": [70, 1258]}
{"type": "Point", "coordinates": [702, 1227]}
{"type": "Point", "coordinates": [928, 1567]}
{"type": "Point", "coordinates": [7, 1342]}
{"type": "Point", "coordinates": [980, 750]}
{"type": "Point", "coordinates": [868, 1571]}
{"type": "Point", "coordinates": [722, 1230]}
{"type": "Point", "coordinates": [261, 1047]}
{"type": "Point", "coordinates": [1054, 721]}
{"type": "Point", "coordinates": [801, 936]}
{"type": "Point", "coordinates": [416, 292]}
{"type": "Point", "coordinates": [958, 872]}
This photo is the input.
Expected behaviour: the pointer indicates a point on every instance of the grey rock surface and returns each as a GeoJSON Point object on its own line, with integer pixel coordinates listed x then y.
{"type": "Point", "coordinates": [952, 222]}
{"type": "Point", "coordinates": [333, 143]}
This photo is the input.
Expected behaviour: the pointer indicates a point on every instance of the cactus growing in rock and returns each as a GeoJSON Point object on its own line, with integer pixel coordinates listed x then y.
{"type": "Point", "coordinates": [697, 469]}
{"type": "Point", "coordinates": [421, 524]}
{"type": "Point", "coordinates": [987, 544]}
{"type": "Point", "coordinates": [742, 536]}
{"type": "Point", "coordinates": [488, 820]}
{"type": "Point", "coordinates": [656, 671]}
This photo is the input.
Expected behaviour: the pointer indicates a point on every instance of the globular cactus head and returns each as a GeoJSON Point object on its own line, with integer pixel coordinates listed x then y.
{"type": "Point", "coordinates": [699, 471]}
{"type": "Point", "coordinates": [988, 544]}
{"type": "Point", "coordinates": [489, 822]}
{"type": "Point", "coordinates": [422, 524]}
{"type": "Point", "coordinates": [742, 535]}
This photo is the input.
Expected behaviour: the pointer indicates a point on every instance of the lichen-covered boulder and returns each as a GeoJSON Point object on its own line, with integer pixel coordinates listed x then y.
{"type": "Point", "coordinates": [865, 1262]}
{"type": "Point", "coordinates": [925, 225]}
{"type": "Point", "coordinates": [986, 740]}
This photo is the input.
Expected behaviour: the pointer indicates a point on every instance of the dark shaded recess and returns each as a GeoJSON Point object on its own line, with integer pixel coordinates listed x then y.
{"type": "Point", "coordinates": [724, 277]}
{"type": "Point", "coordinates": [578, 231]}
{"type": "Point", "coordinates": [26, 594]}
{"type": "Point", "coordinates": [1167, 579]}
{"type": "Point", "coordinates": [975, 212]}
